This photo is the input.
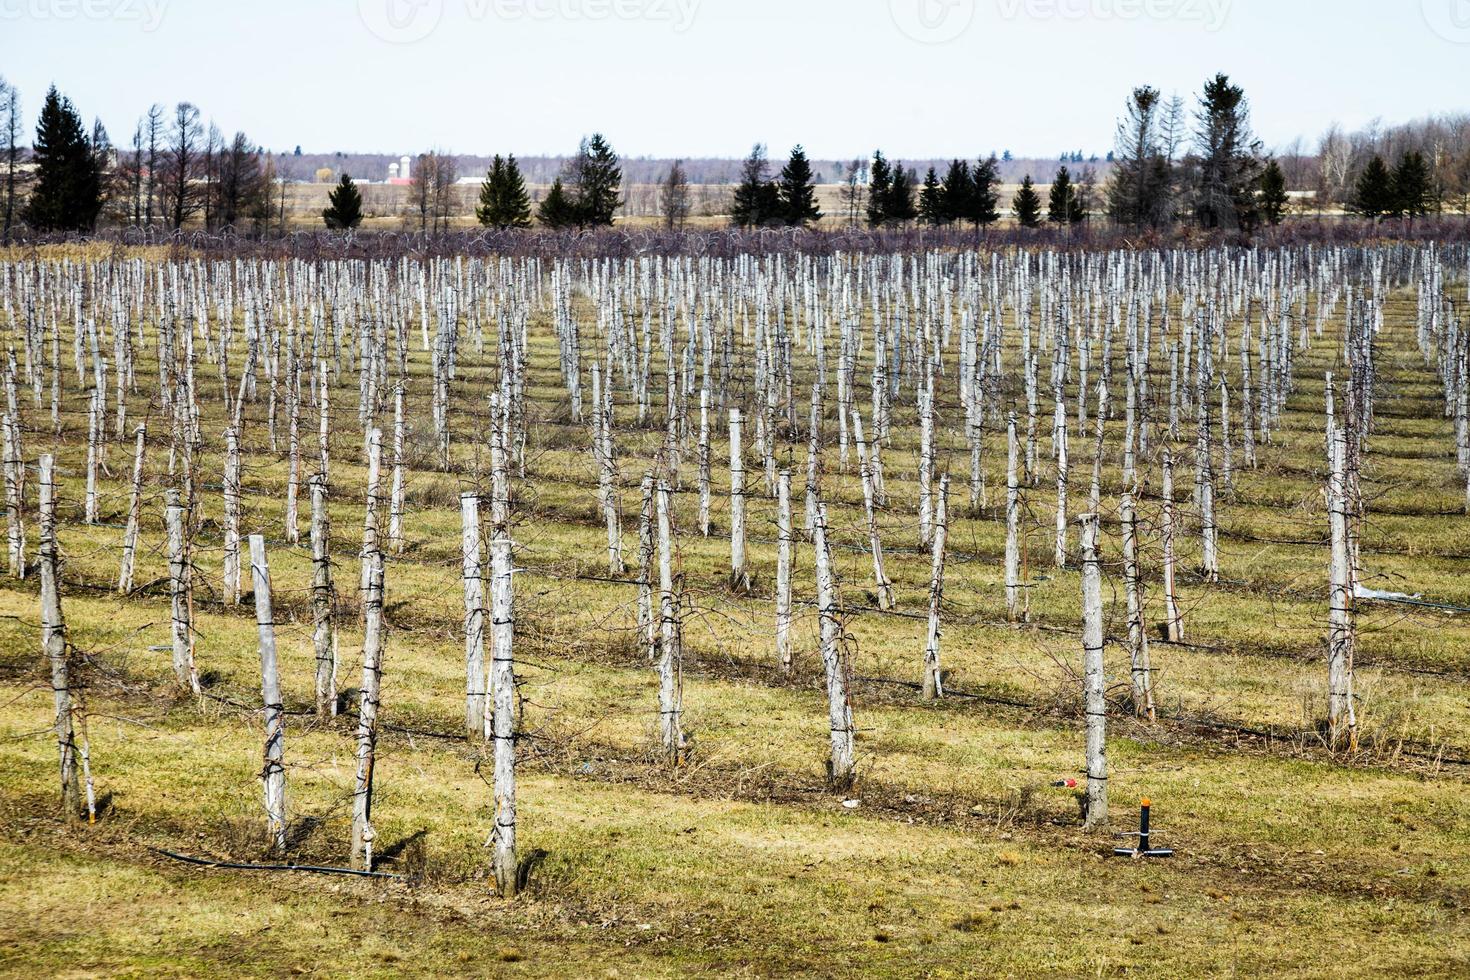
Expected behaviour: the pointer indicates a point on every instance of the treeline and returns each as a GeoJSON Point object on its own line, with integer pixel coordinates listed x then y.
{"type": "Point", "coordinates": [1172, 163]}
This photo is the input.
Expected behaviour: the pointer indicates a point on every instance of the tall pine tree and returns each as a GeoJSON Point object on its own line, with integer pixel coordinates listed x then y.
{"type": "Point", "coordinates": [68, 182]}
{"type": "Point", "coordinates": [1027, 204]}
{"type": "Point", "coordinates": [956, 192]}
{"type": "Point", "coordinates": [504, 202]}
{"type": "Point", "coordinates": [901, 206]}
{"type": "Point", "coordinates": [557, 209]}
{"type": "Point", "coordinates": [1374, 196]}
{"type": "Point", "coordinates": [757, 200]}
{"type": "Point", "coordinates": [983, 207]}
{"type": "Point", "coordinates": [344, 211]}
{"type": "Point", "coordinates": [931, 200]}
{"type": "Point", "coordinates": [880, 188]}
{"type": "Point", "coordinates": [1413, 187]}
{"type": "Point", "coordinates": [1273, 198]}
{"type": "Point", "coordinates": [798, 192]}
{"type": "Point", "coordinates": [1064, 205]}
{"type": "Point", "coordinates": [599, 177]}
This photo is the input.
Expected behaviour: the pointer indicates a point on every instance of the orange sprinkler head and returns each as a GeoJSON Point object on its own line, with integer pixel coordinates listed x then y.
{"type": "Point", "coordinates": [1146, 802]}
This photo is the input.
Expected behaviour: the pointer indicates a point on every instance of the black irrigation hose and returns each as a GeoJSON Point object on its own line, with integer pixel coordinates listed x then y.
{"type": "Point", "coordinates": [236, 866]}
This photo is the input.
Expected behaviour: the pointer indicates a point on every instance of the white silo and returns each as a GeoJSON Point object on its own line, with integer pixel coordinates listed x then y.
{"type": "Point", "coordinates": [392, 171]}
{"type": "Point", "coordinates": [403, 168]}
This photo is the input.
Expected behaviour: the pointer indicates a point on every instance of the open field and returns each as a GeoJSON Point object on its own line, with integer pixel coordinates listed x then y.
{"type": "Point", "coordinates": [951, 856]}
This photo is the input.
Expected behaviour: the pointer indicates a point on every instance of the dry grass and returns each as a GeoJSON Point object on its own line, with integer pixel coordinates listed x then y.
{"type": "Point", "coordinates": [959, 860]}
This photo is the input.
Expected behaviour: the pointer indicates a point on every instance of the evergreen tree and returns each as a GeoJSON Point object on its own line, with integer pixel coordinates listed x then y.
{"type": "Point", "coordinates": [557, 209]}
{"type": "Point", "coordinates": [955, 192]}
{"type": "Point", "coordinates": [1413, 187]}
{"type": "Point", "coordinates": [504, 202]}
{"type": "Point", "coordinates": [931, 200]}
{"type": "Point", "coordinates": [1140, 190]}
{"type": "Point", "coordinates": [757, 200]}
{"type": "Point", "coordinates": [1228, 165]}
{"type": "Point", "coordinates": [901, 206]}
{"type": "Point", "coordinates": [1273, 198]}
{"type": "Point", "coordinates": [345, 206]}
{"type": "Point", "coordinates": [798, 193]}
{"type": "Point", "coordinates": [1064, 205]}
{"type": "Point", "coordinates": [880, 187]}
{"type": "Point", "coordinates": [1374, 195]}
{"type": "Point", "coordinates": [983, 207]}
{"type": "Point", "coordinates": [68, 183]}
{"type": "Point", "coordinates": [599, 179]}
{"type": "Point", "coordinates": [1027, 204]}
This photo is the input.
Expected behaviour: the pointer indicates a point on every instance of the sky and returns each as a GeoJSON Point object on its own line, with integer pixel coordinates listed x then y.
{"type": "Point", "coordinates": [707, 78]}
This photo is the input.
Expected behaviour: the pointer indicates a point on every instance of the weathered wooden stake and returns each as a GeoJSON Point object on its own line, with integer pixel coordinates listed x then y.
{"type": "Point", "coordinates": [274, 772]}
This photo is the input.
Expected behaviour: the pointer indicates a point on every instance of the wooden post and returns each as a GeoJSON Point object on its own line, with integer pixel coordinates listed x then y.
{"type": "Point", "coordinates": [839, 705]}
{"type": "Point", "coordinates": [94, 425]}
{"type": "Point", "coordinates": [181, 580]}
{"type": "Point", "coordinates": [274, 773]}
{"type": "Point", "coordinates": [739, 577]}
{"type": "Point", "coordinates": [367, 718]}
{"type": "Point", "coordinates": [786, 540]}
{"type": "Point", "coordinates": [1094, 686]}
{"type": "Point", "coordinates": [502, 617]}
{"type": "Point", "coordinates": [933, 679]}
{"type": "Point", "coordinates": [881, 583]}
{"type": "Point", "coordinates": [232, 517]}
{"type": "Point", "coordinates": [671, 654]}
{"type": "Point", "coordinates": [472, 565]}
{"type": "Point", "coordinates": [15, 534]}
{"type": "Point", "coordinates": [1341, 639]}
{"type": "Point", "coordinates": [323, 602]}
{"type": "Point", "coordinates": [370, 543]}
{"type": "Point", "coordinates": [396, 493]}
{"type": "Point", "coordinates": [647, 553]}
{"type": "Point", "coordinates": [1173, 619]}
{"type": "Point", "coordinates": [135, 514]}
{"type": "Point", "coordinates": [1142, 670]}
{"type": "Point", "coordinates": [1013, 523]}
{"type": "Point", "coordinates": [53, 645]}
{"type": "Point", "coordinates": [1063, 469]}
{"type": "Point", "coordinates": [704, 463]}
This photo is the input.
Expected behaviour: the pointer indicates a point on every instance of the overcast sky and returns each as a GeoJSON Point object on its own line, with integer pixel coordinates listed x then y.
{"type": "Point", "coordinates": [919, 78]}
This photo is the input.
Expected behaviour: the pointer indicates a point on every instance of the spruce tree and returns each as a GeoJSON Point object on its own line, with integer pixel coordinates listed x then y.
{"type": "Point", "coordinates": [1413, 187]}
{"type": "Point", "coordinates": [1064, 205]}
{"type": "Point", "coordinates": [1228, 168]}
{"type": "Point", "coordinates": [798, 193]}
{"type": "Point", "coordinates": [504, 202]}
{"type": "Point", "coordinates": [557, 209]}
{"type": "Point", "coordinates": [931, 200]}
{"type": "Point", "coordinates": [956, 192]}
{"type": "Point", "coordinates": [599, 180]}
{"type": "Point", "coordinates": [67, 195]}
{"type": "Point", "coordinates": [901, 206]}
{"type": "Point", "coordinates": [757, 201]}
{"type": "Point", "coordinates": [344, 211]}
{"type": "Point", "coordinates": [1027, 204]}
{"type": "Point", "coordinates": [1273, 198]}
{"type": "Point", "coordinates": [1374, 195]}
{"type": "Point", "coordinates": [880, 187]}
{"type": "Point", "coordinates": [983, 207]}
